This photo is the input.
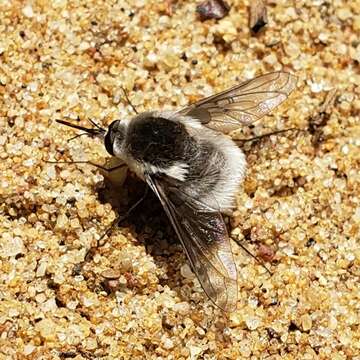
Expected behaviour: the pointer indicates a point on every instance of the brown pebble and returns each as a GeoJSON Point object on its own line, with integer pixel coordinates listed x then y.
{"type": "Point", "coordinates": [213, 9]}
{"type": "Point", "coordinates": [31, 180]}
{"type": "Point", "coordinates": [131, 280]}
{"type": "Point", "coordinates": [47, 142]}
{"type": "Point", "coordinates": [169, 7]}
{"type": "Point", "coordinates": [266, 253]}
{"type": "Point", "coordinates": [111, 285]}
{"type": "Point", "coordinates": [111, 274]}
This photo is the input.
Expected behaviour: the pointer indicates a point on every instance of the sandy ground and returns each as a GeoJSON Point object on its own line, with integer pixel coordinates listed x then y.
{"type": "Point", "coordinates": [299, 206]}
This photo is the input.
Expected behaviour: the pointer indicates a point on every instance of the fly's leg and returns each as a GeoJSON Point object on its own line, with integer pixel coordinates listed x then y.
{"type": "Point", "coordinates": [104, 168]}
{"type": "Point", "coordinates": [128, 100]}
{"type": "Point", "coordinates": [251, 254]}
{"type": "Point", "coordinates": [256, 138]}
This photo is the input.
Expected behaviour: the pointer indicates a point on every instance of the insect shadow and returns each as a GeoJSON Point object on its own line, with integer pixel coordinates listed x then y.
{"type": "Point", "coordinates": [147, 223]}
{"type": "Point", "coordinates": [148, 216]}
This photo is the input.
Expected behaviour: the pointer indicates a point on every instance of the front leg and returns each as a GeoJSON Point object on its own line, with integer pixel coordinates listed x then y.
{"type": "Point", "coordinates": [101, 167]}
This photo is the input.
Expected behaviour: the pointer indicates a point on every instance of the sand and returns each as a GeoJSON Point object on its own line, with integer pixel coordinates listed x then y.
{"type": "Point", "coordinates": [298, 208]}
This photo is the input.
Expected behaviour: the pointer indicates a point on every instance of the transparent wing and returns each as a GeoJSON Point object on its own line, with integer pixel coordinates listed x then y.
{"type": "Point", "coordinates": [243, 103]}
{"type": "Point", "coordinates": [204, 237]}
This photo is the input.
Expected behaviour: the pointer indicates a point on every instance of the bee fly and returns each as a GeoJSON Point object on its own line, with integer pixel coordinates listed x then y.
{"type": "Point", "coordinates": [195, 169]}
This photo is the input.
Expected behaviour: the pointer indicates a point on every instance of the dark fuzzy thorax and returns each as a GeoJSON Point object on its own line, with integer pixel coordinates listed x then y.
{"type": "Point", "coordinates": [158, 141]}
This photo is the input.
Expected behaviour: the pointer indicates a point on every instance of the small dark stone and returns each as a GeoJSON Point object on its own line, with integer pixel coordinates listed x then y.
{"type": "Point", "coordinates": [258, 15]}
{"type": "Point", "coordinates": [213, 9]}
{"type": "Point", "coordinates": [310, 242]}
{"type": "Point", "coordinates": [259, 25]}
{"type": "Point", "coordinates": [293, 326]}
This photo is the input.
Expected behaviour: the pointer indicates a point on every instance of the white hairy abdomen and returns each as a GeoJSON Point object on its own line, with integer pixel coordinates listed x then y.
{"type": "Point", "coordinates": [232, 171]}
{"type": "Point", "coordinates": [232, 174]}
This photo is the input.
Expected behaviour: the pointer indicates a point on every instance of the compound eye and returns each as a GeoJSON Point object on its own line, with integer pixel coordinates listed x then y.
{"type": "Point", "coordinates": [110, 138]}
{"type": "Point", "coordinates": [109, 143]}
